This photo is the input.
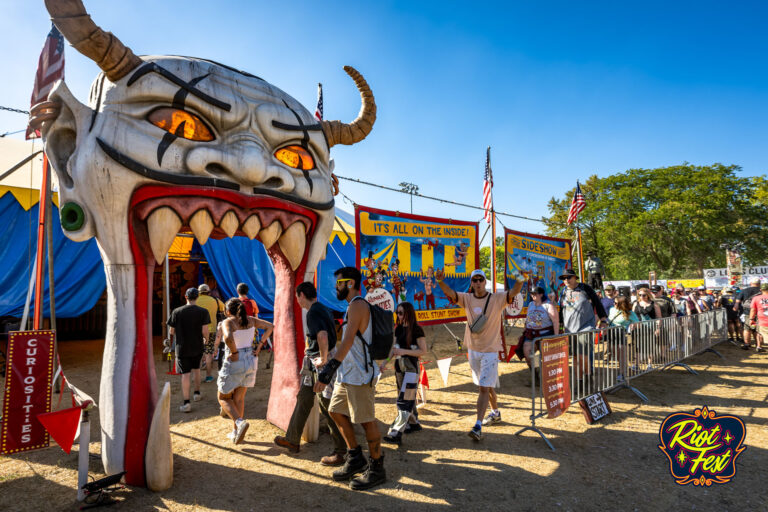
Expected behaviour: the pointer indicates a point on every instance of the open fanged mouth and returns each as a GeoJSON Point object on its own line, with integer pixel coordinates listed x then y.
{"type": "Point", "coordinates": [157, 214]}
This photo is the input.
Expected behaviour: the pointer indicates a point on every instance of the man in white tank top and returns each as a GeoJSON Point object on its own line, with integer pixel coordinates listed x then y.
{"type": "Point", "coordinates": [353, 394]}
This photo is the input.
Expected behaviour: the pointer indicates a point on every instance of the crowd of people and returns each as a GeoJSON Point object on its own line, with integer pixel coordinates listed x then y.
{"type": "Point", "coordinates": [339, 371]}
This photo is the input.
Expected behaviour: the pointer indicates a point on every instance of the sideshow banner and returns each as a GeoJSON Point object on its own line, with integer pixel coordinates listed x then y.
{"type": "Point", "coordinates": [398, 253]}
{"type": "Point", "coordinates": [555, 381]}
{"type": "Point", "coordinates": [537, 261]}
{"type": "Point", "coordinates": [28, 378]}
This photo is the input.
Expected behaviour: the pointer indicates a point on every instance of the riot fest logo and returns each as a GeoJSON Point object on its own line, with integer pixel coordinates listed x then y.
{"type": "Point", "coordinates": [702, 447]}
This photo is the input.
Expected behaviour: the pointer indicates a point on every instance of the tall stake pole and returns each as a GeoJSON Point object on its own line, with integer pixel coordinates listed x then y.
{"type": "Point", "coordinates": [493, 250]}
{"type": "Point", "coordinates": [42, 207]}
{"type": "Point", "coordinates": [581, 257]}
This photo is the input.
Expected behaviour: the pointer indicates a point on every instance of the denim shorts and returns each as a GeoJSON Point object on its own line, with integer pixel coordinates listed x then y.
{"type": "Point", "coordinates": [236, 374]}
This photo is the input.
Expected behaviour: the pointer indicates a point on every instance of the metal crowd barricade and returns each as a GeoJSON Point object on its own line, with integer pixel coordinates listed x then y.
{"type": "Point", "coordinates": [610, 359]}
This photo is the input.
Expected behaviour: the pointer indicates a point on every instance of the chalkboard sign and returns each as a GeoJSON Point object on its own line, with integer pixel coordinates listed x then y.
{"type": "Point", "coordinates": [595, 407]}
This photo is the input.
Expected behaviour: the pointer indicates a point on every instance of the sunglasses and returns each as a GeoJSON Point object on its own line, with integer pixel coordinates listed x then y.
{"type": "Point", "coordinates": [342, 280]}
{"type": "Point", "coordinates": [477, 279]}
{"type": "Point", "coordinates": [400, 313]}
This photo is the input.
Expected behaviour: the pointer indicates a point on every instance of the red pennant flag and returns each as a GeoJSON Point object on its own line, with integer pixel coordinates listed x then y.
{"type": "Point", "coordinates": [424, 381]}
{"type": "Point", "coordinates": [62, 425]}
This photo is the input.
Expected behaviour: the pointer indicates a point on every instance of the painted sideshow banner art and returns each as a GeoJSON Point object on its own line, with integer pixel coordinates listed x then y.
{"type": "Point", "coordinates": [536, 260]}
{"type": "Point", "coordinates": [399, 253]}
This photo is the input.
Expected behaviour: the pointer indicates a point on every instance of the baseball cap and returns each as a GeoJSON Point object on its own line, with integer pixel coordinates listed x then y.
{"type": "Point", "coordinates": [764, 286]}
{"type": "Point", "coordinates": [477, 272]}
{"type": "Point", "coordinates": [701, 288]}
{"type": "Point", "coordinates": [204, 288]}
{"type": "Point", "coordinates": [609, 287]}
{"type": "Point", "coordinates": [192, 293]}
{"type": "Point", "coordinates": [567, 273]}
{"type": "Point", "coordinates": [655, 288]}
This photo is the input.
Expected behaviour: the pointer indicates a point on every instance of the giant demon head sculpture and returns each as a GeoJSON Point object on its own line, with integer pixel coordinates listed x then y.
{"type": "Point", "coordinates": [174, 143]}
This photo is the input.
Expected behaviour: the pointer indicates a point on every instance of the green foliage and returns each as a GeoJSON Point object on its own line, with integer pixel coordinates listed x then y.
{"type": "Point", "coordinates": [671, 220]}
{"type": "Point", "coordinates": [485, 260]}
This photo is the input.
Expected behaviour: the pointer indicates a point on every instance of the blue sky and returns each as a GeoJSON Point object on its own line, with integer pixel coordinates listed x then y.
{"type": "Point", "coordinates": [559, 90]}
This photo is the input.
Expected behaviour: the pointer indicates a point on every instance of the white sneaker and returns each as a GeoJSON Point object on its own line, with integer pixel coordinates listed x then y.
{"type": "Point", "coordinates": [492, 418]}
{"type": "Point", "coordinates": [186, 408]}
{"type": "Point", "coordinates": [242, 428]}
{"type": "Point", "coordinates": [197, 397]}
{"type": "Point", "coordinates": [231, 436]}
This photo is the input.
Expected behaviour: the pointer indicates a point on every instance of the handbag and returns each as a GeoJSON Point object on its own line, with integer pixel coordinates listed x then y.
{"type": "Point", "coordinates": [479, 322]}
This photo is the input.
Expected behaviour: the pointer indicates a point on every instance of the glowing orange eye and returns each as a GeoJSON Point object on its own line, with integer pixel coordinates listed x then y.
{"type": "Point", "coordinates": [180, 123]}
{"type": "Point", "coordinates": [296, 157]}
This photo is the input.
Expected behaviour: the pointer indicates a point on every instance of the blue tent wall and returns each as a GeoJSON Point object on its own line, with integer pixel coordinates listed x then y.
{"type": "Point", "coordinates": [239, 260]}
{"type": "Point", "coordinates": [78, 270]}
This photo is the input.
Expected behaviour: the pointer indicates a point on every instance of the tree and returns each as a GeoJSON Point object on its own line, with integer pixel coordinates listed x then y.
{"type": "Point", "coordinates": [485, 260]}
{"type": "Point", "coordinates": [671, 220]}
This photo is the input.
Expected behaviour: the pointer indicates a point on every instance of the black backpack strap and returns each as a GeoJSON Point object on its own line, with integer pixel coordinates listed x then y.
{"type": "Point", "coordinates": [487, 301]}
{"type": "Point", "coordinates": [360, 335]}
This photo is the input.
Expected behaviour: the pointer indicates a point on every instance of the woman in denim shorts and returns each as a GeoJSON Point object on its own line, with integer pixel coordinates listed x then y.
{"type": "Point", "coordinates": [239, 367]}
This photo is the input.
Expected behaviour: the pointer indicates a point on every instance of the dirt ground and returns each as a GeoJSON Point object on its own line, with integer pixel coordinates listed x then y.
{"type": "Point", "coordinates": [612, 465]}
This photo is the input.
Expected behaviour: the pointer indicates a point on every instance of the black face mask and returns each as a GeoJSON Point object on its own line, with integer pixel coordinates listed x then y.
{"type": "Point", "coordinates": [342, 294]}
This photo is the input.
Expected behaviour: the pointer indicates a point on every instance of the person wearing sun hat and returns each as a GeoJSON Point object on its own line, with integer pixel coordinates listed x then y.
{"type": "Point", "coordinates": [580, 310]}
{"type": "Point", "coordinates": [482, 339]}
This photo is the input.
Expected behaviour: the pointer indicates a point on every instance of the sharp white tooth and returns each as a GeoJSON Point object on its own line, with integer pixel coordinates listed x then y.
{"type": "Point", "coordinates": [292, 244]}
{"type": "Point", "coordinates": [202, 225]}
{"type": "Point", "coordinates": [252, 226]}
{"type": "Point", "coordinates": [162, 225]}
{"type": "Point", "coordinates": [270, 234]}
{"type": "Point", "coordinates": [229, 223]}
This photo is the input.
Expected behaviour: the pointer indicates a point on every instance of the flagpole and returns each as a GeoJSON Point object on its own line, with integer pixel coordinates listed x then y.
{"type": "Point", "coordinates": [581, 256]}
{"type": "Point", "coordinates": [493, 249]}
{"type": "Point", "coordinates": [42, 208]}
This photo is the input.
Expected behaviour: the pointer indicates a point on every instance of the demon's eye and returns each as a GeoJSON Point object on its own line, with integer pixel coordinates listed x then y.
{"type": "Point", "coordinates": [180, 123]}
{"type": "Point", "coordinates": [296, 157]}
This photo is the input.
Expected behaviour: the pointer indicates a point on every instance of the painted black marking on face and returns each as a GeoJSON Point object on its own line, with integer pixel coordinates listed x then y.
{"type": "Point", "coordinates": [304, 144]}
{"type": "Point", "coordinates": [98, 103]}
{"type": "Point", "coordinates": [166, 177]}
{"type": "Point", "coordinates": [152, 67]}
{"type": "Point", "coordinates": [179, 100]}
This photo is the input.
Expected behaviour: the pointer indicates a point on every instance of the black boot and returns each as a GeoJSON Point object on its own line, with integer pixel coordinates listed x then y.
{"type": "Point", "coordinates": [372, 477]}
{"type": "Point", "coordinates": [396, 438]}
{"type": "Point", "coordinates": [354, 463]}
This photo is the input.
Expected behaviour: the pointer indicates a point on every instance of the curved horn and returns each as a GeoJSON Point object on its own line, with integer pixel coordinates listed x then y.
{"type": "Point", "coordinates": [106, 50]}
{"type": "Point", "coordinates": [337, 132]}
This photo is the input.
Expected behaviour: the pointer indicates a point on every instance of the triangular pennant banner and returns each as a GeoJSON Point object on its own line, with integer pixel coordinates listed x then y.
{"type": "Point", "coordinates": [444, 365]}
{"type": "Point", "coordinates": [62, 425]}
{"type": "Point", "coordinates": [424, 381]}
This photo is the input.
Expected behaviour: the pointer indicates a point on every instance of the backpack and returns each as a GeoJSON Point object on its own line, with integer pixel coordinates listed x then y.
{"type": "Point", "coordinates": [221, 315]}
{"type": "Point", "coordinates": [666, 306]}
{"type": "Point", "coordinates": [382, 334]}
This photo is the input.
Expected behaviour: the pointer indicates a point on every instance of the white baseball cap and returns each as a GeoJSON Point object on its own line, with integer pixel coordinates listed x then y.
{"type": "Point", "coordinates": [477, 272]}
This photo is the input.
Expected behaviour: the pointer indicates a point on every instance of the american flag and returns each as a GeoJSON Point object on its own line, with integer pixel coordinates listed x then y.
{"type": "Point", "coordinates": [319, 109]}
{"type": "Point", "coordinates": [50, 68]}
{"type": "Point", "coordinates": [488, 187]}
{"type": "Point", "coordinates": [577, 205]}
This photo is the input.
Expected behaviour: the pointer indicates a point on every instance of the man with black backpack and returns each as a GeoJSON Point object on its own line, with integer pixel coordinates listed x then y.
{"type": "Point", "coordinates": [666, 305]}
{"type": "Point", "coordinates": [363, 340]}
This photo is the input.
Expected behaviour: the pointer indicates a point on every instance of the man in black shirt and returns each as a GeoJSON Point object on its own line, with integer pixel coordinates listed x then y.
{"type": "Point", "coordinates": [190, 325]}
{"type": "Point", "coordinates": [727, 301]}
{"type": "Point", "coordinates": [320, 347]}
{"type": "Point", "coordinates": [744, 301]}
